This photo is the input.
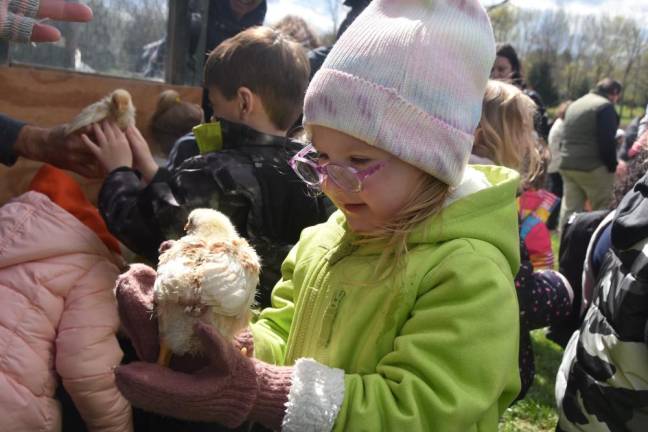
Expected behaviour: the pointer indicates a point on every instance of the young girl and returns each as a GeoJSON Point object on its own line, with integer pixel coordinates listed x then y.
{"type": "Point", "coordinates": [58, 314]}
{"type": "Point", "coordinates": [505, 136]}
{"type": "Point", "coordinates": [399, 313]}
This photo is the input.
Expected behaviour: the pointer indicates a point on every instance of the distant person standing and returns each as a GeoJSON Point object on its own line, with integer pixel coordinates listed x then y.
{"type": "Point", "coordinates": [226, 19]}
{"type": "Point", "coordinates": [588, 149]}
{"type": "Point", "coordinates": [556, 134]}
{"type": "Point", "coordinates": [507, 68]}
{"type": "Point", "coordinates": [554, 180]}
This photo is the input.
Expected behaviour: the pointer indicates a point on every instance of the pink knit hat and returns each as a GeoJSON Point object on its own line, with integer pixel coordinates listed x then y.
{"type": "Point", "coordinates": [408, 76]}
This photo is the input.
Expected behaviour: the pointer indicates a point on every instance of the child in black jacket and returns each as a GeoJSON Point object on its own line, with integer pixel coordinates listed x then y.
{"type": "Point", "coordinates": [257, 81]}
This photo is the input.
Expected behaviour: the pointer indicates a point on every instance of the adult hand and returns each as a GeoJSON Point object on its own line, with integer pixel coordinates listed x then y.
{"type": "Point", "coordinates": [52, 146]}
{"type": "Point", "coordinates": [143, 160]}
{"type": "Point", "coordinates": [18, 19]}
{"type": "Point", "coordinates": [231, 389]}
{"type": "Point", "coordinates": [111, 147]}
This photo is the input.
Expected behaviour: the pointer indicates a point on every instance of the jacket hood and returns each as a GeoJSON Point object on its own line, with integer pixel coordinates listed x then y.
{"type": "Point", "coordinates": [32, 227]}
{"type": "Point", "coordinates": [482, 207]}
{"type": "Point", "coordinates": [630, 223]}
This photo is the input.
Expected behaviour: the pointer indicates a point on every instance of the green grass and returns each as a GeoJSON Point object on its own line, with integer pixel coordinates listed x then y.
{"type": "Point", "coordinates": [628, 114]}
{"type": "Point", "coordinates": [536, 412]}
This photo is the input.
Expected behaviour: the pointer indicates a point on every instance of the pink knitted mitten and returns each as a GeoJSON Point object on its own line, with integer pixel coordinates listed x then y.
{"type": "Point", "coordinates": [231, 389]}
{"type": "Point", "coordinates": [134, 293]}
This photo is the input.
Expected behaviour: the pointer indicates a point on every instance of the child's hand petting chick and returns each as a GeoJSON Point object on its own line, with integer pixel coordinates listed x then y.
{"type": "Point", "coordinates": [143, 160]}
{"type": "Point", "coordinates": [110, 147]}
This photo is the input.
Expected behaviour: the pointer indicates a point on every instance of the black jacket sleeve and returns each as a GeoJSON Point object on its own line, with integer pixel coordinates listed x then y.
{"type": "Point", "coordinates": [607, 122]}
{"type": "Point", "coordinates": [141, 217]}
{"type": "Point", "coordinates": [9, 130]}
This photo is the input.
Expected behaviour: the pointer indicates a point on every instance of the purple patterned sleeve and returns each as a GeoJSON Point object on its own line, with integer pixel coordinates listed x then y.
{"type": "Point", "coordinates": [27, 8]}
{"type": "Point", "coordinates": [17, 19]}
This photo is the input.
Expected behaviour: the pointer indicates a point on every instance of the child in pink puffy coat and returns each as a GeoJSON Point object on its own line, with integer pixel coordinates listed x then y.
{"type": "Point", "coordinates": [58, 315]}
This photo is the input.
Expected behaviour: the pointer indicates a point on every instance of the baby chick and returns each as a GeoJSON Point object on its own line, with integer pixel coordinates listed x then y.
{"type": "Point", "coordinates": [209, 275]}
{"type": "Point", "coordinates": [117, 106]}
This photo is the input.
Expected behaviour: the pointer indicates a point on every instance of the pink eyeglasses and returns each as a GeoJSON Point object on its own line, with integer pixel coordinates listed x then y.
{"type": "Point", "coordinates": [344, 177]}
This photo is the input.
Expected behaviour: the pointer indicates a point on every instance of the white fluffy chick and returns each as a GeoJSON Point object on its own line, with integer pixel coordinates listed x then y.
{"type": "Point", "coordinates": [117, 107]}
{"type": "Point", "coordinates": [209, 275]}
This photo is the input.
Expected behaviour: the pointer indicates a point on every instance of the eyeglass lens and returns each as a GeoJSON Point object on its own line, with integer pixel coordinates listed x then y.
{"type": "Point", "coordinates": [344, 177]}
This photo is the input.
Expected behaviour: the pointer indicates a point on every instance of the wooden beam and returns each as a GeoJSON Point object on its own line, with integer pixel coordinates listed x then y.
{"type": "Point", "coordinates": [47, 97]}
{"type": "Point", "coordinates": [199, 56]}
{"type": "Point", "coordinates": [177, 42]}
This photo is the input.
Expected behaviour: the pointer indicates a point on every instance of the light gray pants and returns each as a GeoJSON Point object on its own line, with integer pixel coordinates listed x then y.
{"type": "Point", "coordinates": [578, 186]}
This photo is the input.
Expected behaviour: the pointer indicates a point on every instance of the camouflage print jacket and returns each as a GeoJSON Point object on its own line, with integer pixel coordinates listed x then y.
{"type": "Point", "coordinates": [249, 180]}
{"type": "Point", "coordinates": [602, 384]}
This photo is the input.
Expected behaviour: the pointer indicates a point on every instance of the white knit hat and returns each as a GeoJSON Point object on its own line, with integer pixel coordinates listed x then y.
{"type": "Point", "coordinates": [408, 76]}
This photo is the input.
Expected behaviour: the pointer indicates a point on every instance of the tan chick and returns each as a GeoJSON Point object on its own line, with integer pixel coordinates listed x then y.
{"type": "Point", "coordinates": [209, 275]}
{"type": "Point", "coordinates": [117, 107]}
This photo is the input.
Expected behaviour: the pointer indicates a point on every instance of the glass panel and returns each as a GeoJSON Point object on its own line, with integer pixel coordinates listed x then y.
{"type": "Point", "coordinates": [121, 40]}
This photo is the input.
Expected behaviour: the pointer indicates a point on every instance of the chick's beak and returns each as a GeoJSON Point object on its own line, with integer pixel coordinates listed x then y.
{"type": "Point", "coordinates": [121, 102]}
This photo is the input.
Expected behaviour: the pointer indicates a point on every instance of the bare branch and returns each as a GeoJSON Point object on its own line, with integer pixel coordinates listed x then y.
{"type": "Point", "coordinates": [495, 6]}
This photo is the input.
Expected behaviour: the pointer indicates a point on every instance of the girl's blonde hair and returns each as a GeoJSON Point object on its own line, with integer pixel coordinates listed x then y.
{"type": "Point", "coordinates": [505, 133]}
{"type": "Point", "coordinates": [424, 201]}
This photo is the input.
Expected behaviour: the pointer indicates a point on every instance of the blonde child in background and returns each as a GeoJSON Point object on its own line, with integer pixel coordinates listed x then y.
{"type": "Point", "coordinates": [506, 137]}
{"type": "Point", "coordinates": [399, 313]}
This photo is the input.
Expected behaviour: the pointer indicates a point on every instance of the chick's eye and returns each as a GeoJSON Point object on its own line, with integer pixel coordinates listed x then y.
{"type": "Point", "coordinates": [357, 160]}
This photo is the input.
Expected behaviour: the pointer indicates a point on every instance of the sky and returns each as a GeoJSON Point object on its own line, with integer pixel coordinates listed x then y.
{"type": "Point", "coordinates": [318, 14]}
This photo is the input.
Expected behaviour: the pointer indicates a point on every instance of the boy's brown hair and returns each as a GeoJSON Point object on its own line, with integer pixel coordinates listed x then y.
{"type": "Point", "coordinates": [270, 64]}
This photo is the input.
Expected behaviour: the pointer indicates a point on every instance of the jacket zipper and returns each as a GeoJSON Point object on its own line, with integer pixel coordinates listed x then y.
{"type": "Point", "coordinates": [329, 318]}
{"type": "Point", "coordinates": [315, 284]}
{"type": "Point", "coordinates": [300, 325]}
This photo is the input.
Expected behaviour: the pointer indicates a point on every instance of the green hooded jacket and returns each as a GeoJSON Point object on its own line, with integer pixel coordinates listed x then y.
{"type": "Point", "coordinates": [433, 348]}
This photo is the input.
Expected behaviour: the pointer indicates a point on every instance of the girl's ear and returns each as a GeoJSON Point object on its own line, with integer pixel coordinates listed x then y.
{"type": "Point", "coordinates": [246, 102]}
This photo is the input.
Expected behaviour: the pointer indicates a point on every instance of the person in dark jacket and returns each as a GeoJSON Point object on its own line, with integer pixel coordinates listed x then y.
{"type": "Point", "coordinates": [507, 68]}
{"type": "Point", "coordinates": [602, 383]}
{"type": "Point", "coordinates": [317, 56]}
{"type": "Point", "coordinates": [631, 135]}
{"type": "Point", "coordinates": [248, 179]}
{"type": "Point", "coordinates": [588, 158]}
{"type": "Point", "coordinates": [225, 18]}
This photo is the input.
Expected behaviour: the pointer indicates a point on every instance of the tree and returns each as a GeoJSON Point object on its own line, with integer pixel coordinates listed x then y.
{"type": "Point", "coordinates": [503, 20]}
{"type": "Point", "coordinates": [564, 54]}
{"type": "Point", "coordinates": [540, 78]}
{"type": "Point", "coordinates": [333, 8]}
